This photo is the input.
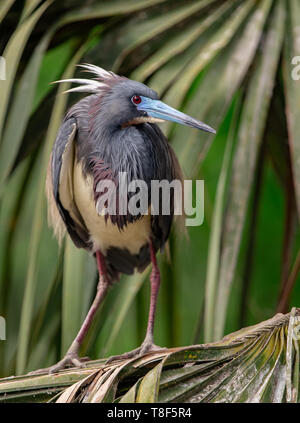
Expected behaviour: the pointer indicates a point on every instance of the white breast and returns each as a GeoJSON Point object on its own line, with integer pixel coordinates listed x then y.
{"type": "Point", "coordinates": [103, 233]}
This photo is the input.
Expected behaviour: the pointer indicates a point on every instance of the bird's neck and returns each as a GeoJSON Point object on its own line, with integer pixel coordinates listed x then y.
{"type": "Point", "coordinates": [123, 150]}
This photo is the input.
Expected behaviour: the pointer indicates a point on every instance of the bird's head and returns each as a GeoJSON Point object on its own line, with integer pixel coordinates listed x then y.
{"type": "Point", "coordinates": [125, 102]}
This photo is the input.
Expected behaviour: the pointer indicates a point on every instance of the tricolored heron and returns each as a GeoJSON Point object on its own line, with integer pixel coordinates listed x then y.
{"type": "Point", "coordinates": [112, 130]}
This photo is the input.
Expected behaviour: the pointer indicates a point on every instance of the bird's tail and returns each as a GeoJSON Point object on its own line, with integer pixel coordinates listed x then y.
{"type": "Point", "coordinates": [120, 260]}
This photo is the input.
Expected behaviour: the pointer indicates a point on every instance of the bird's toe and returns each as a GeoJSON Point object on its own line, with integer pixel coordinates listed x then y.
{"type": "Point", "coordinates": [145, 348]}
{"type": "Point", "coordinates": [70, 360]}
{"type": "Point", "coordinates": [148, 347]}
{"type": "Point", "coordinates": [125, 356]}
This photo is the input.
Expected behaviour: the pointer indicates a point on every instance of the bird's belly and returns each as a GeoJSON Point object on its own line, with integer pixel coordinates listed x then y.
{"type": "Point", "coordinates": [103, 233]}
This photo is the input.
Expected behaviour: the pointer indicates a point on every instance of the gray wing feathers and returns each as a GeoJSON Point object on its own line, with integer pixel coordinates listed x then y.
{"type": "Point", "coordinates": [54, 217]}
{"type": "Point", "coordinates": [62, 164]}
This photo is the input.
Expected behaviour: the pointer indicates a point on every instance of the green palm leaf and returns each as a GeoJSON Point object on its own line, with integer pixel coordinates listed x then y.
{"type": "Point", "coordinates": [255, 364]}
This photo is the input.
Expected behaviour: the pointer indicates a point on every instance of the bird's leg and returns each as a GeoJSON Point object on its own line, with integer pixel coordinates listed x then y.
{"type": "Point", "coordinates": [148, 344]}
{"type": "Point", "coordinates": [72, 355]}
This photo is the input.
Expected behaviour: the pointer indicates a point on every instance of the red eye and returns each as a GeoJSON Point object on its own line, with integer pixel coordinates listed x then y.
{"type": "Point", "coordinates": [136, 99]}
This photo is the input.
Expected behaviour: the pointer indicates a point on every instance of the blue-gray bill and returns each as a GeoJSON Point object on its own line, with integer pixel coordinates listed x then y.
{"type": "Point", "coordinates": [159, 110]}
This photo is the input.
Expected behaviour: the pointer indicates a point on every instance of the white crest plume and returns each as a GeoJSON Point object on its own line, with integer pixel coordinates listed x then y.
{"type": "Point", "coordinates": [103, 80]}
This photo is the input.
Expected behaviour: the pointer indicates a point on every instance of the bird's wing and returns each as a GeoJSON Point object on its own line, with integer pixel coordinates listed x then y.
{"type": "Point", "coordinates": [60, 183]}
{"type": "Point", "coordinates": [169, 169]}
{"type": "Point", "coordinates": [178, 199]}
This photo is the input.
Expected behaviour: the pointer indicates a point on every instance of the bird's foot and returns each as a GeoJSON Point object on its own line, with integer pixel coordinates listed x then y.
{"type": "Point", "coordinates": [146, 347]}
{"type": "Point", "coordinates": [69, 360]}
